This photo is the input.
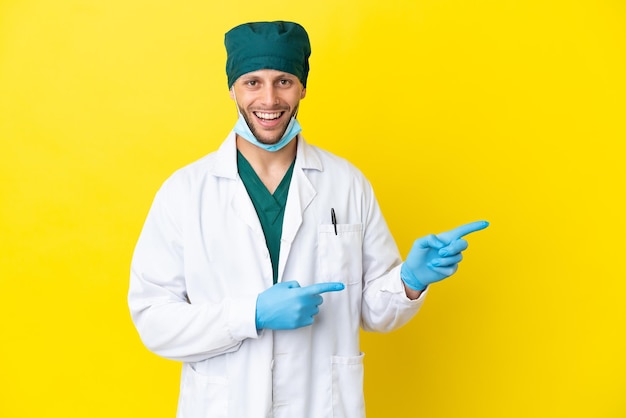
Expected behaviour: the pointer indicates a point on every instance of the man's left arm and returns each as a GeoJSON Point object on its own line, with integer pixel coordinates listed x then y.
{"type": "Point", "coordinates": [393, 291]}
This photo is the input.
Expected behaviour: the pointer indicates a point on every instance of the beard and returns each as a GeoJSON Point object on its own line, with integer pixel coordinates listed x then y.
{"type": "Point", "coordinates": [263, 137]}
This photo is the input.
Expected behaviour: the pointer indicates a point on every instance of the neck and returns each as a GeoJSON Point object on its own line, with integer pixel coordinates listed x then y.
{"type": "Point", "coordinates": [269, 166]}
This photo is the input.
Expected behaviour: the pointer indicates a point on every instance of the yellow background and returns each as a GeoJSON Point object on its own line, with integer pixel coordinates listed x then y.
{"type": "Point", "coordinates": [510, 111]}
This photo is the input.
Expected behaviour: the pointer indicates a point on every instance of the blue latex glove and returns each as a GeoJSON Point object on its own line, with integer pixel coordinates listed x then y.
{"type": "Point", "coordinates": [435, 257]}
{"type": "Point", "coordinates": [288, 306]}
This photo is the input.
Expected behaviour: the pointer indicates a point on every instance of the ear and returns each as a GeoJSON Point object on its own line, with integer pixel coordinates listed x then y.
{"type": "Point", "coordinates": [303, 93]}
{"type": "Point", "coordinates": [232, 92]}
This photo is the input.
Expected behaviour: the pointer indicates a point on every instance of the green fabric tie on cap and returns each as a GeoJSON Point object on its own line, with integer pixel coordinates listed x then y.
{"type": "Point", "coordinates": [281, 46]}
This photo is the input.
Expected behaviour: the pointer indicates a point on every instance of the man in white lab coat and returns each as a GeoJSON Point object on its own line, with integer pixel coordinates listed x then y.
{"type": "Point", "coordinates": [241, 247]}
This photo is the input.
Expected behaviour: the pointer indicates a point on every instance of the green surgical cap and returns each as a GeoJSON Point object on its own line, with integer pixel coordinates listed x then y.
{"type": "Point", "coordinates": [282, 46]}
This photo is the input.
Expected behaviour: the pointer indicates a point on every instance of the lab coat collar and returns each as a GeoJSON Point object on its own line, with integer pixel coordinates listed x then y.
{"type": "Point", "coordinates": [225, 165]}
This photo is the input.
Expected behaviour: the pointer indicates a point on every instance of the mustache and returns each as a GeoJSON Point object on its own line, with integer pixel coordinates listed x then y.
{"type": "Point", "coordinates": [276, 108]}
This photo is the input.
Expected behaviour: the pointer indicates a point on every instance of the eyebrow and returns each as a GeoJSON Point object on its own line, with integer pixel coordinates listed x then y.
{"type": "Point", "coordinates": [280, 76]}
{"type": "Point", "coordinates": [286, 75]}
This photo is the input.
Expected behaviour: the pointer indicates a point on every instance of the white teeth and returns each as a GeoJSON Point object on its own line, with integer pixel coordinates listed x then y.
{"type": "Point", "coordinates": [267, 116]}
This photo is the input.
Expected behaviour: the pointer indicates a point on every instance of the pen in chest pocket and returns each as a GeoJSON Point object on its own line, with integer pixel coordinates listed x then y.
{"type": "Point", "coordinates": [333, 219]}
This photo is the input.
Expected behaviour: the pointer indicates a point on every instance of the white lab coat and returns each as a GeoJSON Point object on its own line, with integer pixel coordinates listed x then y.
{"type": "Point", "coordinates": [201, 260]}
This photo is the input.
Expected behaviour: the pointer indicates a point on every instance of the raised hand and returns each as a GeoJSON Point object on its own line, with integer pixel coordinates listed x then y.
{"type": "Point", "coordinates": [436, 257]}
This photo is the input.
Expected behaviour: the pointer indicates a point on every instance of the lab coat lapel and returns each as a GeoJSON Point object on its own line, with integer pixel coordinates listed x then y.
{"type": "Point", "coordinates": [301, 194]}
{"type": "Point", "coordinates": [226, 166]}
{"type": "Point", "coordinates": [243, 207]}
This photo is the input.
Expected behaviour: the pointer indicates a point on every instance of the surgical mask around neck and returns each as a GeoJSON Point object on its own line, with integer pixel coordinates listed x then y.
{"type": "Point", "coordinates": [243, 130]}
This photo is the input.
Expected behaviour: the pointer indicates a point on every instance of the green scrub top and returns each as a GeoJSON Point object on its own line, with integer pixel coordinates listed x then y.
{"type": "Point", "coordinates": [270, 208]}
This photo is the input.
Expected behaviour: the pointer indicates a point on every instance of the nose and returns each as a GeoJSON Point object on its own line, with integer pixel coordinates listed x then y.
{"type": "Point", "coordinates": [270, 96]}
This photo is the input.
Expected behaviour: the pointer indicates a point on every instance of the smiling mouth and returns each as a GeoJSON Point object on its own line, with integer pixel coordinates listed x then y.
{"type": "Point", "coordinates": [268, 115]}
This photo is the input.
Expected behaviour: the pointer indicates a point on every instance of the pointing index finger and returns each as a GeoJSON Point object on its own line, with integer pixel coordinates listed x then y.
{"type": "Point", "coordinates": [462, 230]}
{"type": "Point", "coordinates": [319, 288]}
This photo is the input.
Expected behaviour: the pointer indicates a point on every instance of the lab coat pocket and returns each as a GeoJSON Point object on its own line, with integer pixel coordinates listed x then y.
{"type": "Point", "coordinates": [340, 253]}
{"type": "Point", "coordinates": [202, 396]}
{"type": "Point", "coordinates": [347, 387]}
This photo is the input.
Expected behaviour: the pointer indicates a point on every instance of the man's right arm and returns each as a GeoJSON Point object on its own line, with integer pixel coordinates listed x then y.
{"type": "Point", "coordinates": [168, 323]}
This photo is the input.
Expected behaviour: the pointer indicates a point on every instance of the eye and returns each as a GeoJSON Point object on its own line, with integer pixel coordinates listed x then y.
{"type": "Point", "coordinates": [284, 82]}
{"type": "Point", "coordinates": [251, 83]}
